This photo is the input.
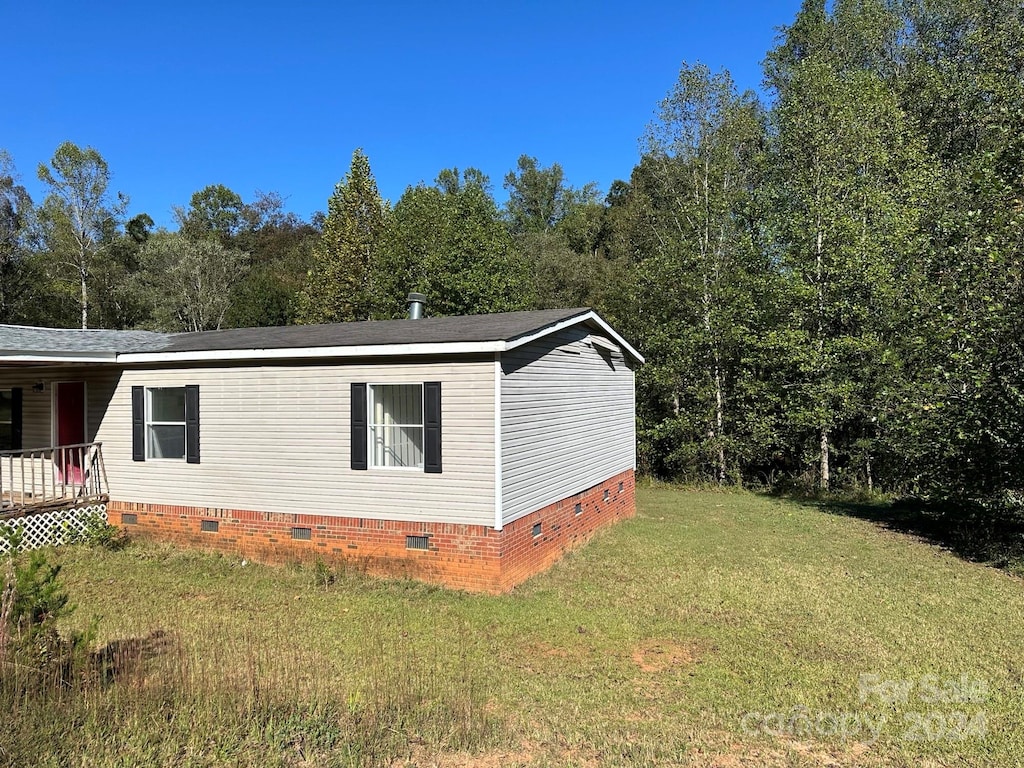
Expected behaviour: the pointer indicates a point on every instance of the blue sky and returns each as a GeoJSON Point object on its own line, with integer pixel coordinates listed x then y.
{"type": "Point", "coordinates": [275, 97]}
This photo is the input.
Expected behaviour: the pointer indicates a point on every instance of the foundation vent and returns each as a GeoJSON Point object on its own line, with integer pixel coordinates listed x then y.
{"type": "Point", "coordinates": [417, 542]}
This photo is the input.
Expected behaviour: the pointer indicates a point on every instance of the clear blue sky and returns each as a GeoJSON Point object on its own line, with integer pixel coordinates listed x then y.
{"type": "Point", "coordinates": [276, 97]}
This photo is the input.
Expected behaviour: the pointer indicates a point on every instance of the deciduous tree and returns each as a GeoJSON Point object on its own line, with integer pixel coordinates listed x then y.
{"type": "Point", "coordinates": [76, 213]}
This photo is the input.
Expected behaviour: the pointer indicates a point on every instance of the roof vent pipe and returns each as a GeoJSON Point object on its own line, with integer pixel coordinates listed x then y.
{"type": "Point", "coordinates": [417, 302]}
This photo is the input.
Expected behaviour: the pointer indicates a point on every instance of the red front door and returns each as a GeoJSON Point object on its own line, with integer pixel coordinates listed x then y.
{"type": "Point", "coordinates": [69, 411]}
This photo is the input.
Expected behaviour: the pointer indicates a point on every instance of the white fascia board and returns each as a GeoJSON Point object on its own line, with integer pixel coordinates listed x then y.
{"type": "Point", "coordinates": [294, 353]}
{"type": "Point", "coordinates": [591, 316]}
{"type": "Point", "coordinates": [55, 357]}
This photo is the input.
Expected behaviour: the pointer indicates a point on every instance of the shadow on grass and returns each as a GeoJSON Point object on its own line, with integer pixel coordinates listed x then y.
{"type": "Point", "coordinates": [978, 534]}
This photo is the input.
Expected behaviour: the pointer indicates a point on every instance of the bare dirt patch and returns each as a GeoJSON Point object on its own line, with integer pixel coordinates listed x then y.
{"type": "Point", "coordinates": [664, 655]}
{"type": "Point", "coordinates": [784, 754]}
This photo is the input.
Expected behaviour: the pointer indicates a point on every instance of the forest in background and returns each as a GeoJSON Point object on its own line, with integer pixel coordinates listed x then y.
{"type": "Point", "coordinates": [826, 283]}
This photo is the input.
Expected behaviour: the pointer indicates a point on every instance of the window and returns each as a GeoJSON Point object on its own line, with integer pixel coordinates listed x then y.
{"type": "Point", "coordinates": [165, 423]}
{"type": "Point", "coordinates": [396, 425]}
{"type": "Point", "coordinates": [6, 420]}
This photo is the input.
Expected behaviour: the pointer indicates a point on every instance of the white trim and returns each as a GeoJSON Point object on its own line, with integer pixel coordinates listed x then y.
{"type": "Point", "coordinates": [370, 424]}
{"type": "Point", "coordinates": [497, 443]}
{"type": "Point", "coordinates": [149, 422]}
{"type": "Point", "coordinates": [290, 353]}
{"type": "Point", "coordinates": [571, 321]}
{"type": "Point", "coordinates": [20, 356]}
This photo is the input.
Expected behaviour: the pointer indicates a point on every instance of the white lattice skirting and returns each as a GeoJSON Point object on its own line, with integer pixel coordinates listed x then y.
{"type": "Point", "coordinates": [50, 528]}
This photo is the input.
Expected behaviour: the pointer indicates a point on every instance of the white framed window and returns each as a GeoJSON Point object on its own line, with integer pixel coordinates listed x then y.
{"type": "Point", "coordinates": [395, 425]}
{"type": "Point", "coordinates": [165, 423]}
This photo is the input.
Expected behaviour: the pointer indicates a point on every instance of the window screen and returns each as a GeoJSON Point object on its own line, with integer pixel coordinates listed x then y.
{"type": "Point", "coordinates": [396, 425]}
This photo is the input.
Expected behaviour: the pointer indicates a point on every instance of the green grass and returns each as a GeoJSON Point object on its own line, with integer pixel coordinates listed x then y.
{"type": "Point", "coordinates": [672, 639]}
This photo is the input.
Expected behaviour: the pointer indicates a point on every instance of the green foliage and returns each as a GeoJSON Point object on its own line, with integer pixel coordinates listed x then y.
{"type": "Point", "coordinates": [16, 214]}
{"type": "Point", "coordinates": [77, 218]}
{"type": "Point", "coordinates": [448, 241]}
{"type": "Point", "coordinates": [214, 212]}
{"type": "Point", "coordinates": [33, 653]}
{"type": "Point", "coordinates": [340, 285]}
{"type": "Point", "coordinates": [697, 291]}
{"type": "Point", "coordinates": [189, 282]}
{"type": "Point", "coordinates": [97, 532]}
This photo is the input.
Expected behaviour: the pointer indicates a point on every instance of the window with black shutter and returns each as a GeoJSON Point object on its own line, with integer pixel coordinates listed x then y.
{"type": "Point", "coordinates": [396, 426]}
{"type": "Point", "coordinates": [165, 423]}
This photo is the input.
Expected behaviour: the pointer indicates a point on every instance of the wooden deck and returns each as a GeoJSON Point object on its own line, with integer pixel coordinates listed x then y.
{"type": "Point", "coordinates": [44, 479]}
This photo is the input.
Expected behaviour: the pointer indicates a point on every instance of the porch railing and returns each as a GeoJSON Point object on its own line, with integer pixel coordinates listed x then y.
{"type": "Point", "coordinates": [49, 477]}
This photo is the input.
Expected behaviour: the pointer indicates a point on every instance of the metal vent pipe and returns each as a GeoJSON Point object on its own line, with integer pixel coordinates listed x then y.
{"type": "Point", "coordinates": [417, 304]}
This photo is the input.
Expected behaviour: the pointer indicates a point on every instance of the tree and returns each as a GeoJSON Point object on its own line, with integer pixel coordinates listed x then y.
{"type": "Point", "coordinates": [959, 430]}
{"type": "Point", "coordinates": [190, 281]}
{"type": "Point", "coordinates": [850, 184]}
{"type": "Point", "coordinates": [339, 286]}
{"type": "Point", "coordinates": [76, 213]}
{"type": "Point", "coordinates": [213, 212]}
{"type": "Point", "coordinates": [450, 243]}
{"type": "Point", "coordinates": [694, 280]}
{"type": "Point", "coordinates": [15, 216]}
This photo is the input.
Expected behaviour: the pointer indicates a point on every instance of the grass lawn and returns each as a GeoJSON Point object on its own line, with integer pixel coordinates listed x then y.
{"type": "Point", "coordinates": [721, 629]}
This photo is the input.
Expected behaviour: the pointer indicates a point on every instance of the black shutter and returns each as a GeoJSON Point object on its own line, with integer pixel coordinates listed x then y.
{"type": "Point", "coordinates": [192, 423]}
{"type": "Point", "coordinates": [359, 426]}
{"type": "Point", "coordinates": [16, 419]}
{"type": "Point", "coordinates": [432, 426]}
{"type": "Point", "coordinates": [138, 424]}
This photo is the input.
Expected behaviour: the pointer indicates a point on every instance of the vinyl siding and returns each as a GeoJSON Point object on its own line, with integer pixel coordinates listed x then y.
{"type": "Point", "coordinates": [37, 407]}
{"type": "Point", "coordinates": [567, 420]}
{"type": "Point", "coordinates": [276, 439]}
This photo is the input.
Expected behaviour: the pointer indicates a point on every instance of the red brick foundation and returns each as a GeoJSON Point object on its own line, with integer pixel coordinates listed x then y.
{"type": "Point", "coordinates": [472, 557]}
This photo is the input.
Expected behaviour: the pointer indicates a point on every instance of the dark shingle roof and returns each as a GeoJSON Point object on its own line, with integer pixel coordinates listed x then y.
{"type": "Point", "coordinates": [503, 326]}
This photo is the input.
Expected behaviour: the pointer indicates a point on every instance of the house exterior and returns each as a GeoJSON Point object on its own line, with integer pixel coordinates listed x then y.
{"type": "Point", "coordinates": [468, 451]}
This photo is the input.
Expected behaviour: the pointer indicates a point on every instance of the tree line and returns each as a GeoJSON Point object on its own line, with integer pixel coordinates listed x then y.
{"type": "Point", "coordinates": [826, 284]}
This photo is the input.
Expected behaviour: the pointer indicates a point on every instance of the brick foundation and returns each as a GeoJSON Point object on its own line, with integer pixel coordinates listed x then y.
{"type": "Point", "coordinates": [472, 557]}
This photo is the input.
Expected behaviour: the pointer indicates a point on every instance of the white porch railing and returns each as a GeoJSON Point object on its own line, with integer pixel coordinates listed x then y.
{"type": "Point", "coordinates": [51, 477]}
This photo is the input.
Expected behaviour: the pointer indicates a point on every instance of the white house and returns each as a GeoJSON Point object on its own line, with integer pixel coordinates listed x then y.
{"type": "Point", "coordinates": [470, 451]}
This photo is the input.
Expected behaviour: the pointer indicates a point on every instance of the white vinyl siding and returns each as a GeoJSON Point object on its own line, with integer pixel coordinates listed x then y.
{"type": "Point", "coordinates": [276, 439]}
{"type": "Point", "coordinates": [37, 406]}
{"type": "Point", "coordinates": [567, 420]}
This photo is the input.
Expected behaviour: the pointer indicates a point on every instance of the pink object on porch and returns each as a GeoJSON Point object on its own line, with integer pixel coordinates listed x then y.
{"type": "Point", "coordinates": [71, 475]}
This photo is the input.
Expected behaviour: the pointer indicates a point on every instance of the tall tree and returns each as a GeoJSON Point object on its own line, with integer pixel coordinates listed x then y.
{"type": "Point", "coordinates": [77, 211]}
{"type": "Point", "coordinates": [959, 431]}
{"type": "Point", "coordinates": [15, 213]}
{"type": "Point", "coordinates": [851, 179]}
{"type": "Point", "coordinates": [339, 287]}
{"type": "Point", "coordinates": [695, 278]}
{"type": "Point", "coordinates": [560, 231]}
